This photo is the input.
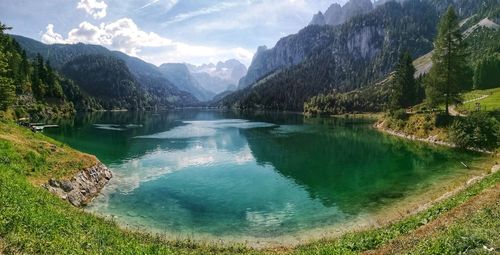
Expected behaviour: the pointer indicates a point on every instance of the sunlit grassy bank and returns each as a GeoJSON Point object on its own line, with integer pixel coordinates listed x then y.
{"type": "Point", "coordinates": [32, 221]}
{"type": "Point", "coordinates": [486, 100]}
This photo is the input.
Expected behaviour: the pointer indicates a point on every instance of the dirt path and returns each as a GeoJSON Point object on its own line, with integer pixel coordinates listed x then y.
{"type": "Point", "coordinates": [405, 243]}
{"type": "Point", "coordinates": [454, 112]}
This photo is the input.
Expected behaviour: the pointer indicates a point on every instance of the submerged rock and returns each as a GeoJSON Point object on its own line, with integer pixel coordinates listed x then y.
{"type": "Point", "coordinates": [82, 187]}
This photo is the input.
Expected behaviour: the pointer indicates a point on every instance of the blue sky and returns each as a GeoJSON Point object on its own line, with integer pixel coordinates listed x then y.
{"type": "Point", "coordinates": [164, 31]}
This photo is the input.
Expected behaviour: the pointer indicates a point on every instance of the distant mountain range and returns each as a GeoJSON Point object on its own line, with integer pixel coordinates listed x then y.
{"type": "Point", "coordinates": [207, 80]}
{"type": "Point", "coordinates": [182, 78]}
{"type": "Point", "coordinates": [167, 86]}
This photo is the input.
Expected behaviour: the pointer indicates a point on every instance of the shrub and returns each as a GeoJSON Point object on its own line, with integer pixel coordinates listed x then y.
{"type": "Point", "coordinates": [478, 130]}
{"type": "Point", "coordinates": [399, 114]}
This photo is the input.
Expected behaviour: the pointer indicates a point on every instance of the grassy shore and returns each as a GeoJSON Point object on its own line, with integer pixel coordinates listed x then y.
{"type": "Point", "coordinates": [32, 221]}
{"type": "Point", "coordinates": [488, 100]}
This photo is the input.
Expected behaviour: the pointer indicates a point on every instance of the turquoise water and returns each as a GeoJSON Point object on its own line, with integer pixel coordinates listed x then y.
{"type": "Point", "coordinates": [223, 175]}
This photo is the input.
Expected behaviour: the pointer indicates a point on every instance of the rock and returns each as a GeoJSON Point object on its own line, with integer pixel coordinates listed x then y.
{"type": "Point", "coordinates": [54, 183]}
{"type": "Point", "coordinates": [67, 186]}
{"type": "Point", "coordinates": [83, 187]}
{"type": "Point", "coordinates": [318, 19]}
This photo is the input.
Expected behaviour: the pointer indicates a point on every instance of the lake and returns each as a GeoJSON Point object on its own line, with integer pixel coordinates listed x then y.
{"type": "Point", "coordinates": [222, 175]}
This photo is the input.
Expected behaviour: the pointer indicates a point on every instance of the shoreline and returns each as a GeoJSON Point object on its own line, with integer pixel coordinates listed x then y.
{"type": "Point", "coordinates": [379, 125]}
{"type": "Point", "coordinates": [385, 217]}
{"type": "Point", "coordinates": [411, 205]}
{"type": "Point", "coordinates": [82, 187]}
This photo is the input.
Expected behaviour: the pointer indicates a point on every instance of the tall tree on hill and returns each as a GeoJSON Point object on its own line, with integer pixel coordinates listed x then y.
{"type": "Point", "coordinates": [7, 89]}
{"type": "Point", "coordinates": [404, 87]}
{"type": "Point", "coordinates": [449, 73]}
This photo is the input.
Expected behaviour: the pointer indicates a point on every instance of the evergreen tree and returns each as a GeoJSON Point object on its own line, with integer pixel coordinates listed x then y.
{"type": "Point", "coordinates": [449, 71]}
{"type": "Point", "coordinates": [487, 72]}
{"type": "Point", "coordinates": [7, 93]}
{"type": "Point", "coordinates": [404, 87]}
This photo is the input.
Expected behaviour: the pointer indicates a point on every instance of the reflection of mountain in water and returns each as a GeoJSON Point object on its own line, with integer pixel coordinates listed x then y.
{"type": "Point", "coordinates": [109, 136]}
{"type": "Point", "coordinates": [347, 165]}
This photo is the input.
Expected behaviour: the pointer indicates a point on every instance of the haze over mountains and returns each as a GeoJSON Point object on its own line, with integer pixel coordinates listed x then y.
{"type": "Point", "coordinates": [207, 80]}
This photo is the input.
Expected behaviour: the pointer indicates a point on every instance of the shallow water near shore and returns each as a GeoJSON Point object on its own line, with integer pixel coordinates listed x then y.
{"type": "Point", "coordinates": [213, 175]}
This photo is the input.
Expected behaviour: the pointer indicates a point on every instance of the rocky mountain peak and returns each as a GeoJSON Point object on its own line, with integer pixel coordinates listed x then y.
{"type": "Point", "coordinates": [337, 14]}
{"type": "Point", "coordinates": [318, 19]}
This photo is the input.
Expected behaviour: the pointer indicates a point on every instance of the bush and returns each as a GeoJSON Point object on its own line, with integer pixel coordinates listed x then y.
{"type": "Point", "coordinates": [399, 114]}
{"type": "Point", "coordinates": [478, 130]}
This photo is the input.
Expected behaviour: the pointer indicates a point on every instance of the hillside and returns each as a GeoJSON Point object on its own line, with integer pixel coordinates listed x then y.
{"type": "Point", "coordinates": [367, 46]}
{"type": "Point", "coordinates": [108, 80]}
{"type": "Point", "coordinates": [321, 59]}
{"type": "Point", "coordinates": [160, 90]}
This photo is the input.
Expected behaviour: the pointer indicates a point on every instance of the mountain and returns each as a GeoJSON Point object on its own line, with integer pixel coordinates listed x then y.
{"type": "Point", "coordinates": [336, 14]}
{"type": "Point", "coordinates": [181, 77]}
{"type": "Point", "coordinates": [381, 2]}
{"type": "Point", "coordinates": [160, 90]}
{"type": "Point", "coordinates": [318, 19]}
{"type": "Point", "coordinates": [108, 80]}
{"type": "Point", "coordinates": [219, 77]}
{"type": "Point", "coordinates": [289, 51]}
{"type": "Point", "coordinates": [344, 57]}
{"type": "Point", "coordinates": [482, 46]}
{"type": "Point", "coordinates": [294, 49]}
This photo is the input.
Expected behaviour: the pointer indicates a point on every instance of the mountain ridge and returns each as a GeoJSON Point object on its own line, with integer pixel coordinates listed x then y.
{"type": "Point", "coordinates": [162, 92]}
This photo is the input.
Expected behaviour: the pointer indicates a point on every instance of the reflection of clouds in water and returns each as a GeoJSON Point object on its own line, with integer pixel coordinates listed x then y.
{"type": "Point", "coordinates": [182, 132]}
{"type": "Point", "coordinates": [116, 127]}
{"type": "Point", "coordinates": [270, 218]}
{"type": "Point", "coordinates": [214, 149]}
{"type": "Point", "coordinates": [129, 175]}
{"type": "Point", "coordinates": [194, 129]}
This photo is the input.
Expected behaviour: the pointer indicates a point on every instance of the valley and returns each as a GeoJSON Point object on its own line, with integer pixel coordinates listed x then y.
{"type": "Point", "coordinates": [369, 127]}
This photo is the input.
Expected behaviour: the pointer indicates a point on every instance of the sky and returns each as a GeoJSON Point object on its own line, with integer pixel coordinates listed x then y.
{"type": "Point", "coordinates": [164, 31]}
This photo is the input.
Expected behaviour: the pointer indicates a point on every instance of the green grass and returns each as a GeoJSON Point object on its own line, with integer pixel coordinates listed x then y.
{"type": "Point", "coordinates": [490, 104]}
{"type": "Point", "coordinates": [357, 242]}
{"type": "Point", "coordinates": [470, 236]}
{"type": "Point", "coordinates": [32, 221]}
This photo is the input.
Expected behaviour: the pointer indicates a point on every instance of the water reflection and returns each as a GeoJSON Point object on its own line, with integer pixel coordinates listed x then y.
{"type": "Point", "coordinates": [262, 175]}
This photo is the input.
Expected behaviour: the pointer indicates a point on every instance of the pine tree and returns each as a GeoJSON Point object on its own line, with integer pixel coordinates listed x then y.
{"type": "Point", "coordinates": [487, 72]}
{"type": "Point", "coordinates": [7, 89]}
{"type": "Point", "coordinates": [404, 87]}
{"type": "Point", "coordinates": [447, 75]}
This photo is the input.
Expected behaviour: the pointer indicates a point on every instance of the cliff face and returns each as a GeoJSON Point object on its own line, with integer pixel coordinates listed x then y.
{"type": "Point", "coordinates": [292, 50]}
{"type": "Point", "coordinates": [289, 51]}
{"type": "Point", "coordinates": [82, 187]}
{"type": "Point", "coordinates": [343, 58]}
{"type": "Point", "coordinates": [318, 19]}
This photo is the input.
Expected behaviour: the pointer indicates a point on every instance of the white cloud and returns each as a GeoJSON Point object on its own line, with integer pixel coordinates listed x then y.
{"type": "Point", "coordinates": [51, 37]}
{"type": "Point", "coordinates": [124, 35]}
{"type": "Point", "coordinates": [95, 8]}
